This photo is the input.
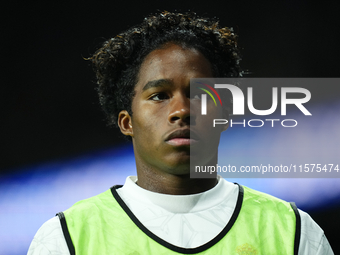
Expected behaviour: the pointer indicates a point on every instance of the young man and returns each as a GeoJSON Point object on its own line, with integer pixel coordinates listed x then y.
{"type": "Point", "coordinates": [144, 87]}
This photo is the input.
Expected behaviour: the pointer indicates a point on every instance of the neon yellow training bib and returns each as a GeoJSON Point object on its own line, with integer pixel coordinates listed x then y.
{"type": "Point", "coordinates": [261, 224]}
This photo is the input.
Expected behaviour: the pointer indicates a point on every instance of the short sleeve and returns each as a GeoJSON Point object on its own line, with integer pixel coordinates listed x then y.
{"type": "Point", "coordinates": [313, 240]}
{"type": "Point", "coordinates": [49, 239]}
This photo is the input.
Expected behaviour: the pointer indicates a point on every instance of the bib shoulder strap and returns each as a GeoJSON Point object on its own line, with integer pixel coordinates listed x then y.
{"type": "Point", "coordinates": [66, 233]}
{"type": "Point", "coordinates": [297, 228]}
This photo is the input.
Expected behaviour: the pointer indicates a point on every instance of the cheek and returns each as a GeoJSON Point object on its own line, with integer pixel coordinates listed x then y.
{"type": "Point", "coordinates": [146, 122]}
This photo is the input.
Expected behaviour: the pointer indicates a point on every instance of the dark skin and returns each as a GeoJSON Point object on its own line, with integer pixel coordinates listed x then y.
{"type": "Point", "coordinates": [163, 113]}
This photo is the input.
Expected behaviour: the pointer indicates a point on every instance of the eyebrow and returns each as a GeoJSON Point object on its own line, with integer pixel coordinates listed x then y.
{"type": "Point", "coordinates": [157, 83]}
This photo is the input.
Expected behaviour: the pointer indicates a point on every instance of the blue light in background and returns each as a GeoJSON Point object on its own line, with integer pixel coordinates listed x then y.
{"type": "Point", "coordinates": [32, 197]}
{"type": "Point", "coordinates": [36, 194]}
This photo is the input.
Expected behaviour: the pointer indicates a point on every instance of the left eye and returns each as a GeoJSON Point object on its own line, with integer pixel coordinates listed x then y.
{"type": "Point", "coordinates": [159, 97]}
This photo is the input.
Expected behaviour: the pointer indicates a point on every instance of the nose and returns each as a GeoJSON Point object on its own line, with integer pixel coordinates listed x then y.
{"type": "Point", "coordinates": [180, 110]}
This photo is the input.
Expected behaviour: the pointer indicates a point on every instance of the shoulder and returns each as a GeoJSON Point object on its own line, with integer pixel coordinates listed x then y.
{"type": "Point", "coordinates": [49, 239]}
{"type": "Point", "coordinates": [264, 200]}
{"type": "Point", "coordinates": [93, 204]}
{"type": "Point", "coordinates": [313, 240]}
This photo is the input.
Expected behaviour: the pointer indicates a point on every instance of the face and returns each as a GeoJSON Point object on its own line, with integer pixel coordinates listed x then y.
{"type": "Point", "coordinates": [164, 115]}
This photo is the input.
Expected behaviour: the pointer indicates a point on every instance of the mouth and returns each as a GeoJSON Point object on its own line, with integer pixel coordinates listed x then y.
{"type": "Point", "coordinates": [181, 137]}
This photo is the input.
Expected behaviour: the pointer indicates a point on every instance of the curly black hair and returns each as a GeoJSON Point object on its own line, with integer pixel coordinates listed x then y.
{"type": "Point", "coordinates": [118, 61]}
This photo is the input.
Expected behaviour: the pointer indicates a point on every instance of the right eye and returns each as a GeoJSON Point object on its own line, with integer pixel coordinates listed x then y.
{"type": "Point", "coordinates": [159, 97]}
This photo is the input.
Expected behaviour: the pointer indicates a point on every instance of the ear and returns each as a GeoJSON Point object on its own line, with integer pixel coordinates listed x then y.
{"type": "Point", "coordinates": [125, 123]}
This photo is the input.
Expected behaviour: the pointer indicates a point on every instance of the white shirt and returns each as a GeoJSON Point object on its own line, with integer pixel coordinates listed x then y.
{"type": "Point", "coordinates": [175, 219]}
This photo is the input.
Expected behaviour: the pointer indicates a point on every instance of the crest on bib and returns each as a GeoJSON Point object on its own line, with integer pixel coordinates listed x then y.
{"type": "Point", "coordinates": [246, 249]}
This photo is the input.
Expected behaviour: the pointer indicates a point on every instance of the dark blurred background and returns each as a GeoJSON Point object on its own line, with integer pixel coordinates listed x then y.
{"type": "Point", "coordinates": [49, 107]}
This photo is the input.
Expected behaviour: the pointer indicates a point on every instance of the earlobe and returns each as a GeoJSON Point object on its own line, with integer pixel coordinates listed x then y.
{"type": "Point", "coordinates": [125, 123]}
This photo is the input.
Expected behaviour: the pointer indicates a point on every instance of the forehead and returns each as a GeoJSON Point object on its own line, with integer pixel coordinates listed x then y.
{"type": "Point", "coordinates": [173, 62]}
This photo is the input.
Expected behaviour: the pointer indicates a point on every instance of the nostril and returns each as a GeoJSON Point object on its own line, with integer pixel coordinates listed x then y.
{"type": "Point", "coordinates": [175, 118]}
{"type": "Point", "coordinates": [185, 118]}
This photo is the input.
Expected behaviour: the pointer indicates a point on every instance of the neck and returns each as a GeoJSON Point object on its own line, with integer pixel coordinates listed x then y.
{"type": "Point", "coordinates": [166, 183]}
